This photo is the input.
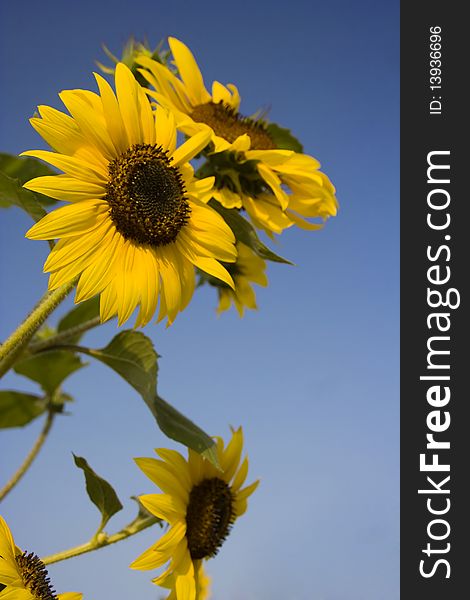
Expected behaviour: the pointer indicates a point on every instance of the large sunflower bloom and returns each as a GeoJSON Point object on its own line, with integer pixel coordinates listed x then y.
{"type": "Point", "coordinates": [23, 576]}
{"type": "Point", "coordinates": [137, 222]}
{"type": "Point", "coordinates": [200, 503]}
{"type": "Point", "coordinates": [278, 188]}
{"type": "Point", "coordinates": [249, 268]}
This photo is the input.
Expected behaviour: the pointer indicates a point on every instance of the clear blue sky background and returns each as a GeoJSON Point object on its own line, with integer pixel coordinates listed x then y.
{"type": "Point", "coordinates": [312, 376]}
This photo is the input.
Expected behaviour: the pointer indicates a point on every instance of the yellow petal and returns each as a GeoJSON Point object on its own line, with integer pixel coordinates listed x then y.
{"type": "Point", "coordinates": [178, 463]}
{"type": "Point", "coordinates": [227, 198]}
{"type": "Point", "coordinates": [170, 279]}
{"type": "Point", "coordinates": [150, 287]}
{"type": "Point", "coordinates": [92, 125]}
{"type": "Point", "coordinates": [230, 459]}
{"type": "Point", "coordinates": [246, 492]}
{"type": "Point", "coordinates": [163, 476]}
{"type": "Point", "coordinates": [128, 98]}
{"type": "Point", "coordinates": [112, 115]}
{"type": "Point", "coordinates": [302, 223]}
{"type": "Point", "coordinates": [241, 475]}
{"type": "Point", "coordinates": [165, 129]}
{"type": "Point", "coordinates": [99, 273]}
{"type": "Point", "coordinates": [108, 303]}
{"type": "Point", "coordinates": [274, 183]}
{"type": "Point", "coordinates": [70, 220]}
{"type": "Point", "coordinates": [220, 93]}
{"type": "Point", "coordinates": [63, 187]}
{"type": "Point", "coordinates": [73, 166]}
{"type": "Point", "coordinates": [164, 506]}
{"type": "Point", "coordinates": [147, 121]}
{"type": "Point", "coordinates": [127, 283]}
{"type": "Point", "coordinates": [270, 157]}
{"type": "Point", "coordinates": [214, 268]}
{"type": "Point", "coordinates": [185, 582]}
{"type": "Point", "coordinates": [191, 147]}
{"type": "Point", "coordinates": [69, 249]}
{"type": "Point", "coordinates": [160, 552]}
{"type": "Point", "coordinates": [267, 213]}
{"type": "Point", "coordinates": [7, 543]}
{"type": "Point", "coordinates": [189, 71]}
{"type": "Point", "coordinates": [235, 101]}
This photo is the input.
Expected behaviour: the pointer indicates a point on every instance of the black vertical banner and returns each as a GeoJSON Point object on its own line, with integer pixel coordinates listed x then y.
{"type": "Point", "coordinates": [435, 270]}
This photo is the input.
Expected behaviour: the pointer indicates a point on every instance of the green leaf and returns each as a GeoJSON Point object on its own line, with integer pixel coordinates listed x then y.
{"type": "Point", "coordinates": [49, 369]}
{"type": "Point", "coordinates": [179, 428]}
{"type": "Point", "coordinates": [101, 493]}
{"type": "Point", "coordinates": [83, 312]}
{"type": "Point", "coordinates": [18, 409]}
{"type": "Point", "coordinates": [132, 355]}
{"type": "Point", "coordinates": [24, 168]}
{"type": "Point", "coordinates": [246, 233]}
{"type": "Point", "coordinates": [11, 193]}
{"type": "Point", "coordinates": [283, 138]}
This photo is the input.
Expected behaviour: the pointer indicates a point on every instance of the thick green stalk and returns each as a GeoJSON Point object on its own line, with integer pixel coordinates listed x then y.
{"type": "Point", "coordinates": [11, 349]}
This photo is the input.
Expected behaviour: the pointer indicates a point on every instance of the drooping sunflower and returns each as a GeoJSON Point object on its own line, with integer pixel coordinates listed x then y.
{"type": "Point", "coordinates": [200, 503]}
{"type": "Point", "coordinates": [137, 222]}
{"type": "Point", "coordinates": [277, 187]}
{"type": "Point", "coordinates": [249, 268]}
{"type": "Point", "coordinates": [24, 576]}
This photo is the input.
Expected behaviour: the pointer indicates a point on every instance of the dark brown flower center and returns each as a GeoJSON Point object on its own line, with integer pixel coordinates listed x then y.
{"type": "Point", "coordinates": [229, 124]}
{"type": "Point", "coordinates": [209, 517]}
{"type": "Point", "coordinates": [146, 196]}
{"type": "Point", "coordinates": [35, 577]}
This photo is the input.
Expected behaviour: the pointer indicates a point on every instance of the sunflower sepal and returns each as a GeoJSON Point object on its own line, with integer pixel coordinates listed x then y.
{"type": "Point", "coordinates": [133, 49]}
{"type": "Point", "coordinates": [233, 171]}
{"type": "Point", "coordinates": [284, 138]}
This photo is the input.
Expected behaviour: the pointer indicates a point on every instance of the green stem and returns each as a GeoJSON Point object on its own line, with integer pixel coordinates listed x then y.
{"type": "Point", "coordinates": [102, 540]}
{"type": "Point", "coordinates": [15, 344]}
{"type": "Point", "coordinates": [31, 456]}
{"type": "Point", "coordinates": [63, 336]}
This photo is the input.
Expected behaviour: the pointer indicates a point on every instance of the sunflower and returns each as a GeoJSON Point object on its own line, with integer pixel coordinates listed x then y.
{"type": "Point", "coordinates": [200, 503]}
{"type": "Point", "coordinates": [136, 223]}
{"type": "Point", "coordinates": [249, 268]}
{"type": "Point", "coordinates": [277, 187]}
{"type": "Point", "coordinates": [23, 576]}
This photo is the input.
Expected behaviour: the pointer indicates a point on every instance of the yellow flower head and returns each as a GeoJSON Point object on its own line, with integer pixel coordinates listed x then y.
{"type": "Point", "coordinates": [136, 223]}
{"type": "Point", "coordinates": [23, 576]}
{"type": "Point", "coordinates": [249, 268]}
{"type": "Point", "coordinates": [278, 188]}
{"type": "Point", "coordinates": [200, 503]}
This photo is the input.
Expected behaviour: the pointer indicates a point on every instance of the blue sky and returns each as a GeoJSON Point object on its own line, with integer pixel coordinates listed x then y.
{"type": "Point", "coordinates": [312, 376]}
